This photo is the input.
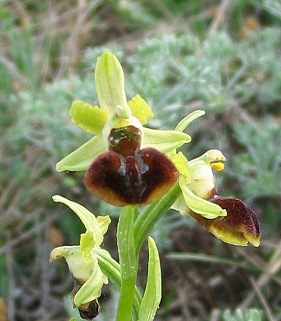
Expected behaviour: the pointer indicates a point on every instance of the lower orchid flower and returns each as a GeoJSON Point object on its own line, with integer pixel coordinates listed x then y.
{"type": "Point", "coordinates": [81, 260]}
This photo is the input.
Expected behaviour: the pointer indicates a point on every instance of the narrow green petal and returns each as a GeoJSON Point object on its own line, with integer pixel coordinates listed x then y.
{"type": "Point", "coordinates": [91, 289]}
{"type": "Point", "coordinates": [140, 109]}
{"type": "Point", "coordinates": [88, 117]}
{"type": "Point", "coordinates": [81, 158]}
{"type": "Point", "coordinates": [201, 206]}
{"type": "Point", "coordinates": [109, 80]}
{"type": "Point", "coordinates": [188, 119]}
{"type": "Point", "coordinates": [153, 290]}
{"type": "Point", "coordinates": [164, 140]}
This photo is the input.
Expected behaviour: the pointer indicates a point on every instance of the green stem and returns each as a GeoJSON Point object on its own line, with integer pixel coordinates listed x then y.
{"type": "Point", "coordinates": [128, 262]}
{"type": "Point", "coordinates": [146, 221]}
{"type": "Point", "coordinates": [112, 270]}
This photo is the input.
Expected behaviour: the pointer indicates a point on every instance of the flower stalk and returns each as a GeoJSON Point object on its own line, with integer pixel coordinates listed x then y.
{"type": "Point", "coordinates": [128, 262]}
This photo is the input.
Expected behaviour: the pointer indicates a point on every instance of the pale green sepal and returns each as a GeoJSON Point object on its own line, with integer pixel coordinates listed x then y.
{"type": "Point", "coordinates": [109, 80]}
{"type": "Point", "coordinates": [88, 117]}
{"type": "Point", "coordinates": [81, 158]}
{"type": "Point", "coordinates": [200, 206]}
{"type": "Point", "coordinates": [87, 242]}
{"type": "Point", "coordinates": [91, 289]}
{"type": "Point", "coordinates": [104, 222]}
{"type": "Point", "coordinates": [74, 260]}
{"type": "Point", "coordinates": [88, 219]}
{"type": "Point", "coordinates": [153, 290]}
{"type": "Point", "coordinates": [180, 205]}
{"type": "Point", "coordinates": [164, 140]}
{"type": "Point", "coordinates": [188, 119]}
{"type": "Point", "coordinates": [140, 109]}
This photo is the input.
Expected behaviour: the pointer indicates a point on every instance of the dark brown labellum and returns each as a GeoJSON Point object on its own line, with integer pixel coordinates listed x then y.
{"type": "Point", "coordinates": [239, 227]}
{"type": "Point", "coordinates": [138, 179]}
{"type": "Point", "coordinates": [127, 174]}
{"type": "Point", "coordinates": [239, 215]}
{"type": "Point", "coordinates": [91, 311]}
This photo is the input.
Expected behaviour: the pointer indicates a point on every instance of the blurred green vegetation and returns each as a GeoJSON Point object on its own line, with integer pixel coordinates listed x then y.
{"type": "Point", "coordinates": [220, 56]}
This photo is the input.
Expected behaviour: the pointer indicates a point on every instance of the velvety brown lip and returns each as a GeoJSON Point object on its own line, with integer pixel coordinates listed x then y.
{"type": "Point", "coordinates": [239, 227]}
{"type": "Point", "coordinates": [127, 174]}
{"type": "Point", "coordinates": [138, 179]}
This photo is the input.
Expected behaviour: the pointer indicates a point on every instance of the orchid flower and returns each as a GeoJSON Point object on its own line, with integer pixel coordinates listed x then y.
{"type": "Point", "coordinates": [82, 261]}
{"type": "Point", "coordinates": [237, 223]}
{"type": "Point", "coordinates": [127, 163]}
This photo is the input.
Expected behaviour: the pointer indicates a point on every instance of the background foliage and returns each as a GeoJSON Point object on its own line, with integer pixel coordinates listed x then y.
{"type": "Point", "coordinates": [220, 56]}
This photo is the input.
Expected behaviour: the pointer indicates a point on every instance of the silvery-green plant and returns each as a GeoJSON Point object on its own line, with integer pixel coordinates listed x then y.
{"type": "Point", "coordinates": [129, 165]}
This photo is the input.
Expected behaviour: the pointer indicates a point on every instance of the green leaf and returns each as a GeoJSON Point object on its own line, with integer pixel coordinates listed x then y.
{"type": "Point", "coordinates": [164, 140]}
{"type": "Point", "coordinates": [153, 290]}
{"type": "Point", "coordinates": [88, 117]}
{"type": "Point", "coordinates": [81, 158]}
{"type": "Point", "coordinates": [109, 80]}
{"type": "Point", "coordinates": [211, 259]}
